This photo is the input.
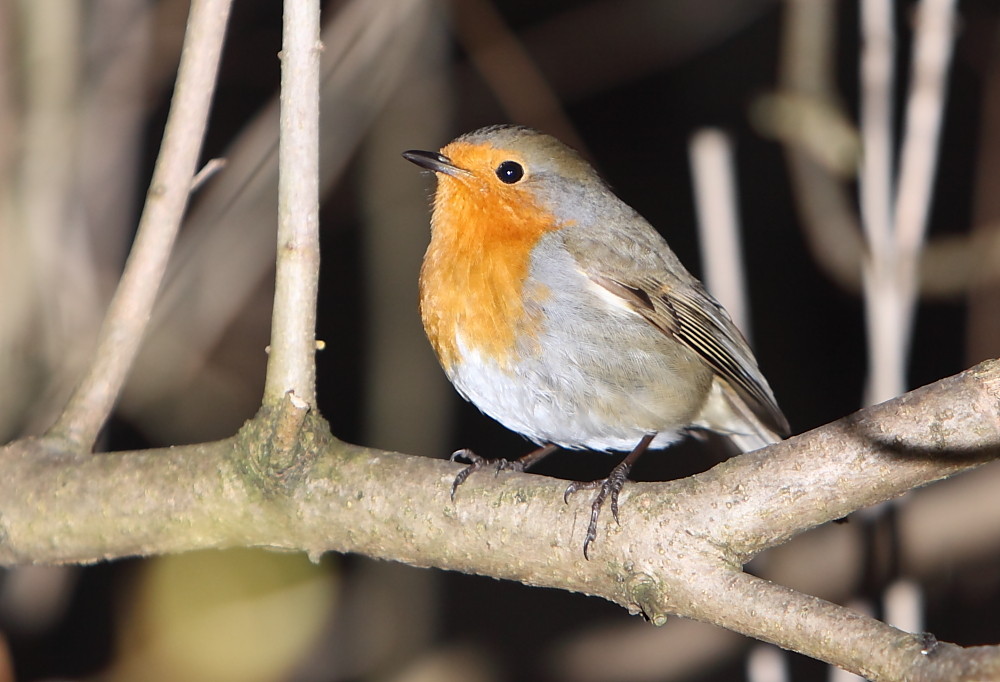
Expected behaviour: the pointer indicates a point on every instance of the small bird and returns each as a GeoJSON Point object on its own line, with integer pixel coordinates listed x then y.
{"type": "Point", "coordinates": [557, 310]}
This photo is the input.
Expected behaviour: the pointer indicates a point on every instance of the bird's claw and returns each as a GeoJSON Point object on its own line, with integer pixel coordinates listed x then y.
{"type": "Point", "coordinates": [477, 463]}
{"type": "Point", "coordinates": [612, 485]}
{"type": "Point", "coordinates": [466, 454]}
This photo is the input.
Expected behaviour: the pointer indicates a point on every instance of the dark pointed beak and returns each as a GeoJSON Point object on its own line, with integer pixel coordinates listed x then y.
{"type": "Point", "coordinates": [439, 163]}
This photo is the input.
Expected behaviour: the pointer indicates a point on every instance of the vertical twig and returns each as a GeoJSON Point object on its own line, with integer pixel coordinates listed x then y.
{"type": "Point", "coordinates": [878, 41]}
{"type": "Point", "coordinates": [121, 333]}
{"type": "Point", "coordinates": [292, 366]}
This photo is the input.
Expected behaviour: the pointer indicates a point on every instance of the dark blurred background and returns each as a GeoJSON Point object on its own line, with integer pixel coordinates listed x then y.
{"type": "Point", "coordinates": [84, 90]}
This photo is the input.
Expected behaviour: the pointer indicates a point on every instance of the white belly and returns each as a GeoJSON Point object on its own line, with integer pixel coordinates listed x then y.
{"type": "Point", "coordinates": [565, 410]}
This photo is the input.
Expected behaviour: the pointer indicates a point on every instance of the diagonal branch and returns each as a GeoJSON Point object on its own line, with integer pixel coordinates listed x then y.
{"type": "Point", "coordinates": [92, 401]}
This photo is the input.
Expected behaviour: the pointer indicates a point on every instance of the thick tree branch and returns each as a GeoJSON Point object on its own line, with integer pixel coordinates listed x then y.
{"type": "Point", "coordinates": [678, 550]}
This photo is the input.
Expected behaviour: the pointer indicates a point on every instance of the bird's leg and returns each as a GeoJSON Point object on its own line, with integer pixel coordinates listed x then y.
{"type": "Point", "coordinates": [476, 463]}
{"type": "Point", "coordinates": [612, 485]}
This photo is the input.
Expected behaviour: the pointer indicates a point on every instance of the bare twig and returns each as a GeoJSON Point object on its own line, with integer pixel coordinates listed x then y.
{"type": "Point", "coordinates": [207, 171]}
{"type": "Point", "coordinates": [92, 401]}
{"type": "Point", "coordinates": [228, 245]}
{"type": "Point", "coordinates": [291, 365]}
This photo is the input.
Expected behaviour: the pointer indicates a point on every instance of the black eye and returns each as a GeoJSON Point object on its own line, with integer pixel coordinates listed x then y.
{"type": "Point", "coordinates": [510, 172]}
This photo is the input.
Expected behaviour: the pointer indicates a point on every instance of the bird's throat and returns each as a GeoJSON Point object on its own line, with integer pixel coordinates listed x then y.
{"type": "Point", "coordinates": [472, 283]}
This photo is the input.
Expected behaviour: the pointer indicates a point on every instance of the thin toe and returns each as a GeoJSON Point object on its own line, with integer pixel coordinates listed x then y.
{"type": "Point", "coordinates": [576, 486]}
{"type": "Point", "coordinates": [466, 454]}
{"type": "Point", "coordinates": [475, 464]}
{"type": "Point", "coordinates": [606, 487]}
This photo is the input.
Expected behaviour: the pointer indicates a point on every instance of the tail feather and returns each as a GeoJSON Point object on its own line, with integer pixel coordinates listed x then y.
{"type": "Point", "coordinates": [726, 413]}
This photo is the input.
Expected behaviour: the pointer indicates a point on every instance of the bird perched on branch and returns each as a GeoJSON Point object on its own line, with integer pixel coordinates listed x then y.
{"type": "Point", "coordinates": [559, 311]}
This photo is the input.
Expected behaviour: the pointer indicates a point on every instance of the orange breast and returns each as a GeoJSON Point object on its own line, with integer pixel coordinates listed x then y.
{"type": "Point", "coordinates": [473, 275]}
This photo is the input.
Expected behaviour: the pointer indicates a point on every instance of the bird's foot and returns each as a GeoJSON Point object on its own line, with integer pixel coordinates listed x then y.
{"type": "Point", "coordinates": [606, 487]}
{"type": "Point", "coordinates": [476, 463]}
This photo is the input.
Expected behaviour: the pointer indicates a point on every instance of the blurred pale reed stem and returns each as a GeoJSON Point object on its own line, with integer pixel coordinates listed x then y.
{"type": "Point", "coordinates": [129, 311]}
{"type": "Point", "coordinates": [904, 605]}
{"type": "Point", "coordinates": [887, 340]}
{"type": "Point", "coordinates": [933, 41]}
{"type": "Point", "coordinates": [52, 39]}
{"type": "Point", "coordinates": [47, 252]}
{"type": "Point", "coordinates": [877, 79]}
{"type": "Point", "coordinates": [895, 224]}
{"type": "Point", "coordinates": [714, 178]}
{"type": "Point", "coordinates": [291, 366]}
{"type": "Point", "coordinates": [70, 162]}
{"type": "Point", "coordinates": [767, 663]}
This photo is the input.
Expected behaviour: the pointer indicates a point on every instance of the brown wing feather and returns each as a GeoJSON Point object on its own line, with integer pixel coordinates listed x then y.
{"type": "Point", "coordinates": [688, 314]}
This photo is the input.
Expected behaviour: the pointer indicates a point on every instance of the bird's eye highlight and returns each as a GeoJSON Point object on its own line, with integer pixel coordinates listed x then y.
{"type": "Point", "coordinates": [510, 172]}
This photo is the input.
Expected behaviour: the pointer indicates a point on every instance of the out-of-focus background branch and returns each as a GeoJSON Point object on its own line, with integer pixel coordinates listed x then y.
{"type": "Point", "coordinates": [83, 88]}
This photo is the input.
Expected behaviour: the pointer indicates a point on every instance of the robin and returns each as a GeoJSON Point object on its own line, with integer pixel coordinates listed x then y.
{"type": "Point", "coordinates": [560, 312]}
